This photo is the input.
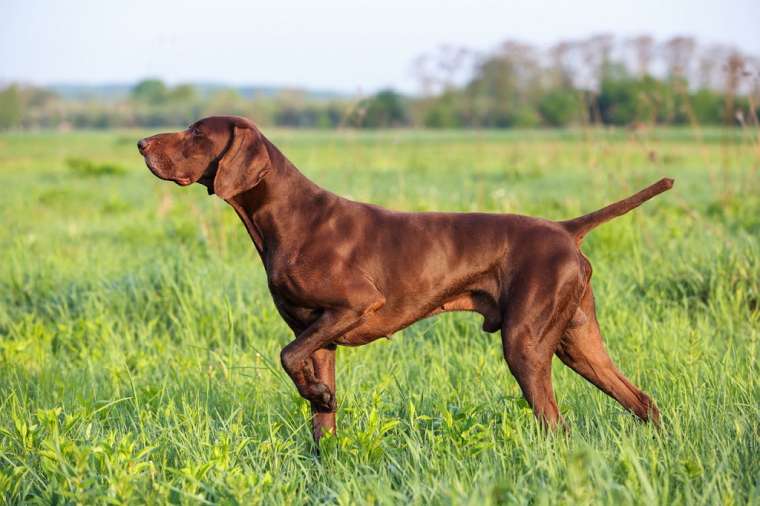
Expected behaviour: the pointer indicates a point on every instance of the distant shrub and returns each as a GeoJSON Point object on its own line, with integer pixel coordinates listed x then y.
{"type": "Point", "coordinates": [384, 109]}
{"type": "Point", "coordinates": [708, 106]}
{"type": "Point", "coordinates": [87, 168]}
{"type": "Point", "coordinates": [11, 110]}
{"type": "Point", "coordinates": [561, 107]}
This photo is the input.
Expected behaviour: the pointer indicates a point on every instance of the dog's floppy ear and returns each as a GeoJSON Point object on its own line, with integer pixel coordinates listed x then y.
{"type": "Point", "coordinates": [245, 162]}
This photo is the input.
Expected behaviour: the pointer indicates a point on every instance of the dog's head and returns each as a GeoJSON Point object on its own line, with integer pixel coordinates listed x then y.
{"type": "Point", "coordinates": [227, 154]}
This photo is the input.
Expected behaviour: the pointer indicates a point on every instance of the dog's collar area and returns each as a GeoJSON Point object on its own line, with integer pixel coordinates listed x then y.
{"type": "Point", "coordinates": [207, 179]}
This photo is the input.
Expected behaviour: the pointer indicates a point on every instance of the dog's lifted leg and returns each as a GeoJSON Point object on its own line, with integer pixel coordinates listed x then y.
{"type": "Point", "coordinates": [297, 356]}
{"type": "Point", "coordinates": [323, 362]}
{"type": "Point", "coordinates": [582, 349]}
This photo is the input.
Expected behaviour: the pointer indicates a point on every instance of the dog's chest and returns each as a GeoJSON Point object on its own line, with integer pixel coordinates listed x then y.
{"type": "Point", "coordinates": [295, 314]}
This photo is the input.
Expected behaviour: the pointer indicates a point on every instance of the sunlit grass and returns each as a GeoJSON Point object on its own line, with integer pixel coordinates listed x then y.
{"type": "Point", "coordinates": [139, 347]}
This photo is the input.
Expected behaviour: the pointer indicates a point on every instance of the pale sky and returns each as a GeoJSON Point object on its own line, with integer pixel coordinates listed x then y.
{"type": "Point", "coordinates": [345, 45]}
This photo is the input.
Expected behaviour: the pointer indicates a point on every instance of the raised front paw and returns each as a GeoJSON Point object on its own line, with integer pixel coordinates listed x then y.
{"type": "Point", "coordinates": [321, 397]}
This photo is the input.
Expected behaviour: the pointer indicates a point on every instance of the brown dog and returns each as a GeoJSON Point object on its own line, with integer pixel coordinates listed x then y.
{"type": "Point", "coordinates": [347, 273]}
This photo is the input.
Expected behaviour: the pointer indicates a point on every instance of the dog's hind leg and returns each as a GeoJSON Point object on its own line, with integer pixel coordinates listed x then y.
{"type": "Point", "coordinates": [532, 368]}
{"type": "Point", "coordinates": [537, 312]}
{"type": "Point", "coordinates": [582, 349]}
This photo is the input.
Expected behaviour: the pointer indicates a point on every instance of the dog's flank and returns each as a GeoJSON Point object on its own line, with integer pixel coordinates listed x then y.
{"type": "Point", "coordinates": [348, 273]}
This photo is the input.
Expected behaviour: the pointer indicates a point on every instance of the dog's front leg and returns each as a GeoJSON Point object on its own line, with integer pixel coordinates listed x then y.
{"type": "Point", "coordinates": [323, 362]}
{"type": "Point", "coordinates": [297, 357]}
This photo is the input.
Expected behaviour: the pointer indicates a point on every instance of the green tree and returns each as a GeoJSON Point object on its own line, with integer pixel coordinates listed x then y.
{"type": "Point", "coordinates": [150, 91]}
{"type": "Point", "coordinates": [707, 106]}
{"type": "Point", "coordinates": [561, 107]}
{"type": "Point", "coordinates": [11, 107]}
{"type": "Point", "coordinates": [226, 101]}
{"type": "Point", "coordinates": [384, 109]}
{"type": "Point", "coordinates": [504, 89]}
{"type": "Point", "coordinates": [443, 111]}
{"type": "Point", "coordinates": [182, 94]}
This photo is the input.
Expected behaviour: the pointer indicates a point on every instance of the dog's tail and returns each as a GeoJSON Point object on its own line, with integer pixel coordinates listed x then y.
{"type": "Point", "coordinates": [582, 225]}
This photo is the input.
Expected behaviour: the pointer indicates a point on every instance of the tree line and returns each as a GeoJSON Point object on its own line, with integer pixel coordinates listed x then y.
{"type": "Point", "coordinates": [600, 80]}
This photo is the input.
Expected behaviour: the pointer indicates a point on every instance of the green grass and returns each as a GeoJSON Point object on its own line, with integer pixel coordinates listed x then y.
{"type": "Point", "coordinates": [139, 348]}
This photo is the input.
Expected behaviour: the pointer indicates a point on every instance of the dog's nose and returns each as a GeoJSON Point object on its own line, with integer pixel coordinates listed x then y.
{"type": "Point", "coordinates": [142, 145]}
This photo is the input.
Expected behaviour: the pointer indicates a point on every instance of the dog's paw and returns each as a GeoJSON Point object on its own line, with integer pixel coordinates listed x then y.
{"type": "Point", "coordinates": [322, 397]}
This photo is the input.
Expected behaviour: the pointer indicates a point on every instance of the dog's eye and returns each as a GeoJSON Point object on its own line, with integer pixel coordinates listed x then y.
{"type": "Point", "coordinates": [196, 132]}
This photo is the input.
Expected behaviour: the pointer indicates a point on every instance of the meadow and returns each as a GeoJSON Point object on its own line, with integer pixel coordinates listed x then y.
{"type": "Point", "coordinates": [139, 348]}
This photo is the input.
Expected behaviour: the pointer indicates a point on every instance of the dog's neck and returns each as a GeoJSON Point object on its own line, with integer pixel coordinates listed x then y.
{"type": "Point", "coordinates": [277, 204]}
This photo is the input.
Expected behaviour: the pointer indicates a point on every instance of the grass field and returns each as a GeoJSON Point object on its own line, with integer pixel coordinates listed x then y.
{"type": "Point", "coordinates": [139, 348]}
